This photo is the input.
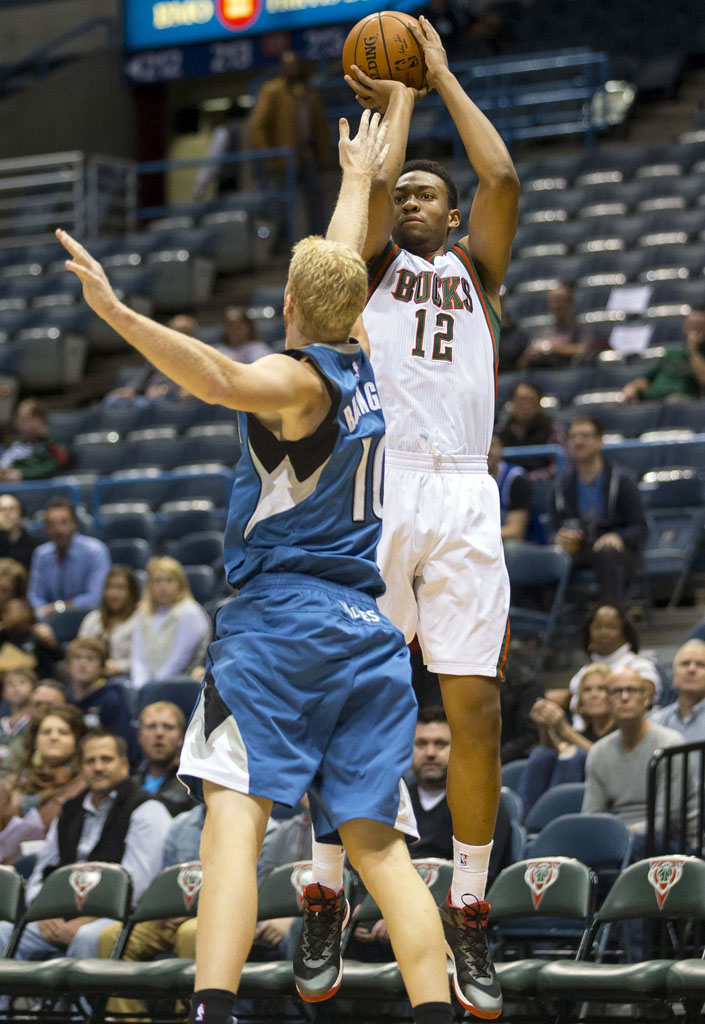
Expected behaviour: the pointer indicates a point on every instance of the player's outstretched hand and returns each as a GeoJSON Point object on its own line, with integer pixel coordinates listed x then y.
{"type": "Point", "coordinates": [366, 153]}
{"type": "Point", "coordinates": [96, 287]}
{"type": "Point", "coordinates": [373, 93]}
{"type": "Point", "coordinates": [433, 50]}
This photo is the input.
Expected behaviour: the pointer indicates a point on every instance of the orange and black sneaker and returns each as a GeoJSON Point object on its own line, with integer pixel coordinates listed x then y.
{"type": "Point", "coordinates": [318, 961]}
{"type": "Point", "coordinates": [475, 981]}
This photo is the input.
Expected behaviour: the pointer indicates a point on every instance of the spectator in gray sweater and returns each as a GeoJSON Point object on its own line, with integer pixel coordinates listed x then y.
{"type": "Point", "coordinates": [616, 770]}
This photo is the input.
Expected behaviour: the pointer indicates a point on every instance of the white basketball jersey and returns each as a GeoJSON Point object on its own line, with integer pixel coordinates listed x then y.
{"type": "Point", "coordinates": [433, 345]}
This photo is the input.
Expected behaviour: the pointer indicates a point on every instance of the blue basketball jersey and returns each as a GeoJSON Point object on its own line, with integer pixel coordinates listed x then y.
{"type": "Point", "coordinates": [313, 506]}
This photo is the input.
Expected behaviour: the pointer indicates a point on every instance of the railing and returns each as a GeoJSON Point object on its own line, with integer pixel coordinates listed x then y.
{"type": "Point", "coordinates": [86, 195]}
{"type": "Point", "coordinates": [526, 97]}
{"type": "Point", "coordinates": [676, 800]}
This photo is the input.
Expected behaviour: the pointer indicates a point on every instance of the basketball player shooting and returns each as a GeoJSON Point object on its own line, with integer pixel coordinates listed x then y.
{"type": "Point", "coordinates": [433, 320]}
{"type": "Point", "coordinates": [305, 678]}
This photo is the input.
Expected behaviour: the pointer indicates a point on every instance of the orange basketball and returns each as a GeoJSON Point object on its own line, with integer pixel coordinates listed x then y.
{"type": "Point", "coordinates": [384, 48]}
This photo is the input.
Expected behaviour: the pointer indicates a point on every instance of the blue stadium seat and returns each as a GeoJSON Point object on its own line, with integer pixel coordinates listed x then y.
{"type": "Point", "coordinates": [35, 495]}
{"type": "Point", "coordinates": [164, 452]}
{"type": "Point", "coordinates": [674, 488]}
{"type": "Point", "coordinates": [634, 457]}
{"type": "Point", "coordinates": [602, 841]}
{"type": "Point", "coordinates": [170, 524]}
{"type": "Point", "coordinates": [209, 448]}
{"type": "Point", "coordinates": [670, 260]}
{"type": "Point", "coordinates": [66, 624]}
{"type": "Point", "coordinates": [203, 548]}
{"type": "Point", "coordinates": [628, 420]}
{"type": "Point", "coordinates": [532, 568]}
{"type": "Point", "coordinates": [566, 798]}
{"type": "Point", "coordinates": [563, 383]}
{"type": "Point", "coordinates": [203, 581]}
{"type": "Point", "coordinates": [158, 488]}
{"type": "Point", "coordinates": [671, 546]}
{"type": "Point", "coordinates": [99, 456]}
{"type": "Point", "coordinates": [684, 414]}
{"type": "Point", "coordinates": [132, 551]}
{"type": "Point", "coordinates": [512, 772]}
{"type": "Point", "coordinates": [181, 690]}
{"type": "Point", "coordinates": [126, 525]}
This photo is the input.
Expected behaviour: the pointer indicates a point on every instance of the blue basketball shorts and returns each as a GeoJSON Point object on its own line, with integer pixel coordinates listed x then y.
{"type": "Point", "coordinates": [307, 687]}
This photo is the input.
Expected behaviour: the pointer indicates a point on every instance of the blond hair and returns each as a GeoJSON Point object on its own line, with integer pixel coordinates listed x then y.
{"type": "Point", "coordinates": [165, 705]}
{"type": "Point", "coordinates": [170, 567]}
{"type": "Point", "coordinates": [598, 668]}
{"type": "Point", "coordinates": [328, 286]}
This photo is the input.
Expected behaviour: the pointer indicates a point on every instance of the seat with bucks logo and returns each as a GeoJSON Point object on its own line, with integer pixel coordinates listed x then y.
{"type": "Point", "coordinates": [542, 907]}
{"type": "Point", "coordinates": [95, 890]}
{"type": "Point", "coordinates": [173, 893]}
{"type": "Point", "coordinates": [666, 894]}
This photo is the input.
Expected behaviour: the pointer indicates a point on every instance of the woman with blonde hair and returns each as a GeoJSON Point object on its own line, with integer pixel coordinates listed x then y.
{"type": "Point", "coordinates": [562, 750]}
{"type": "Point", "coordinates": [49, 775]}
{"type": "Point", "coordinates": [171, 631]}
{"type": "Point", "coordinates": [113, 621]}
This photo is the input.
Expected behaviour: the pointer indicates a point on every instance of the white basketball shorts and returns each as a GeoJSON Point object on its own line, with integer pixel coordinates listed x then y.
{"type": "Point", "coordinates": [442, 560]}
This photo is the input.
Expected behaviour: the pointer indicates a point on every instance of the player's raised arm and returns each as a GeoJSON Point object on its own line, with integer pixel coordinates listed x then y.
{"type": "Point", "coordinates": [493, 217]}
{"type": "Point", "coordinates": [396, 101]}
{"type": "Point", "coordinates": [270, 385]}
{"type": "Point", "coordinates": [361, 160]}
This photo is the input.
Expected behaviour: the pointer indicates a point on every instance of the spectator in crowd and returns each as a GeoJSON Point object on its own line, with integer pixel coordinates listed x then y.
{"type": "Point", "coordinates": [608, 636]}
{"type": "Point", "coordinates": [21, 635]}
{"type": "Point", "coordinates": [514, 342]}
{"type": "Point", "coordinates": [240, 342]}
{"type": "Point", "coordinates": [149, 939]}
{"type": "Point", "coordinates": [597, 513]}
{"type": "Point", "coordinates": [171, 630]}
{"type": "Point", "coordinates": [527, 424]}
{"type": "Point", "coordinates": [227, 138]}
{"type": "Point", "coordinates": [519, 692]}
{"type": "Point", "coordinates": [616, 769]}
{"type": "Point", "coordinates": [34, 455]}
{"type": "Point", "coordinates": [514, 488]}
{"type": "Point", "coordinates": [687, 713]}
{"type": "Point", "coordinates": [565, 341]}
{"type": "Point", "coordinates": [434, 824]}
{"type": "Point", "coordinates": [562, 750]}
{"type": "Point", "coordinates": [15, 541]}
{"type": "Point", "coordinates": [289, 112]}
{"type": "Point", "coordinates": [146, 382]}
{"type": "Point", "coordinates": [13, 581]}
{"type": "Point", "coordinates": [102, 703]}
{"type": "Point", "coordinates": [69, 570]}
{"type": "Point", "coordinates": [47, 694]}
{"type": "Point", "coordinates": [17, 686]}
{"type": "Point", "coordinates": [679, 373]}
{"type": "Point", "coordinates": [161, 736]}
{"type": "Point", "coordinates": [113, 622]}
{"type": "Point", "coordinates": [31, 798]}
{"type": "Point", "coordinates": [112, 820]}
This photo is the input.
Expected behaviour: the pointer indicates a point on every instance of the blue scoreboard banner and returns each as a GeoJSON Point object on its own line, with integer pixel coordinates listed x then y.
{"type": "Point", "coordinates": [152, 24]}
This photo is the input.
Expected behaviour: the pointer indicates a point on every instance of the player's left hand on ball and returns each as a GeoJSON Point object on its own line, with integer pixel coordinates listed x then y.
{"type": "Point", "coordinates": [96, 287]}
{"type": "Point", "coordinates": [367, 151]}
{"type": "Point", "coordinates": [371, 93]}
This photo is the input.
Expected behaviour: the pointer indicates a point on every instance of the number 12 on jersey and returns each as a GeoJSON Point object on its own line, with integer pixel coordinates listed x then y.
{"type": "Point", "coordinates": [362, 480]}
{"type": "Point", "coordinates": [442, 347]}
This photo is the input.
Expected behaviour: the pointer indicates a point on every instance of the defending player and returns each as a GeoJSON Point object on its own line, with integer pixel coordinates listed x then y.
{"type": "Point", "coordinates": [433, 319]}
{"type": "Point", "coordinates": [306, 681]}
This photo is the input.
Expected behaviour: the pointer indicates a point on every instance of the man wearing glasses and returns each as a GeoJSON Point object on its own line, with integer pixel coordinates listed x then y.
{"type": "Point", "coordinates": [597, 512]}
{"type": "Point", "coordinates": [616, 769]}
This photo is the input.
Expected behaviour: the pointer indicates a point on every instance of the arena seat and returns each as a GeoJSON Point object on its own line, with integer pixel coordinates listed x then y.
{"type": "Point", "coordinates": [49, 357]}
{"type": "Point", "coordinates": [670, 549]}
{"type": "Point", "coordinates": [126, 525]}
{"type": "Point", "coordinates": [528, 916]}
{"type": "Point", "coordinates": [101, 456]}
{"type": "Point", "coordinates": [204, 446]}
{"type": "Point", "coordinates": [671, 488]}
{"type": "Point", "coordinates": [108, 897]}
{"type": "Point", "coordinates": [563, 383]}
{"type": "Point", "coordinates": [202, 548]}
{"type": "Point", "coordinates": [66, 624]}
{"type": "Point", "coordinates": [35, 494]}
{"type": "Point", "coordinates": [132, 551]}
{"type": "Point", "coordinates": [601, 841]}
{"type": "Point", "coordinates": [633, 896]}
{"type": "Point", "coordinates": [203, 582]}
{"type": "Point", "coordinates": [178, 518]}
{"type": "Point", "coordinates": [532, 566]}
{"type": "Point", "coordinates": [172, 893]}
{"type": "Point", "coordinates": [673, 261]}
{"type": "Point", "coordinates": [180, 690]}
{"type": "Point", "coordinates": [512, 772]}
{"type": "Point", "coordinates": [566, 798]}
{"type": "Point", "coordinates": [231, 240]}
{"type": "Point", "coordinates": [159, 487]}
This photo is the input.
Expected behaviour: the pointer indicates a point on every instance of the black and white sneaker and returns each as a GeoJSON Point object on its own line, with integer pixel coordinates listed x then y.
{"type": "Point", "coordinates": [318, 964]}
{"type": "Point", "coordinates": [474, 978]}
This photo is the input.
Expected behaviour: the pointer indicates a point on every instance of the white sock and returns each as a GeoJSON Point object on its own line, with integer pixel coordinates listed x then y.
{"type": "Point", "coordinates": [470, 865]}
{"type": "Point", "coordinates": [327, 866]}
